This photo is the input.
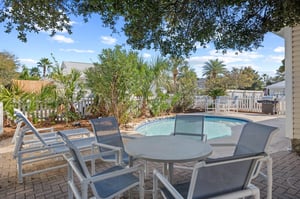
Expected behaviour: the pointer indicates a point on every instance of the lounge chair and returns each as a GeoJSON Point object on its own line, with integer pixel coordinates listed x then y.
{"type": "Point", "coordinates": [254, 138]}
{"type": "Point", "coordinates": [190, 125]}
{"type": "Point", "coordinates": [41, 147]}
{"type": "Point", "coordinates": [226, 179]}
{"type": "Point", "coordinates": [106, 184]}
{"type": "Point", "coordinates": [234, 104]}
{"type": "Point", "coordinates": [209, 104]}
{"type": "Point", "coordinates": [222, 103]}
{"type": "Point", "coordinates": [47, 133]}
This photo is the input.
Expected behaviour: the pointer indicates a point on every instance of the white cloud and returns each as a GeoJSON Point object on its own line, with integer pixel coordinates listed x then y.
{"type": "Point", "coordinates": [77, 50]}
{"type": "Point", "coordinates": [27, 61]}
{"type": "Point", "coordinates": [279, 49]}
{"type": "Point", "coordinates": [62, 39]}
{"type": "Point", "coordinates": [108, 40]}
{"type": "Point", "coordinates": [276, 59]}
{"type": "Point", "coordinates": [230, 59]}
{"type": "Point", "coordinates": [146, 55]}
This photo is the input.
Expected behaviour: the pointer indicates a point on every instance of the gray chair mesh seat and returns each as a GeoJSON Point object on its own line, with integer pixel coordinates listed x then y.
{"type": "Point", "coordinates": [106, 184]}
{"type": "Point", "coordinates": [107, 132]}
{"type": "Point", "coordinates": [189, 125]}
{"type": "Point", "coordinates": [232, 177]}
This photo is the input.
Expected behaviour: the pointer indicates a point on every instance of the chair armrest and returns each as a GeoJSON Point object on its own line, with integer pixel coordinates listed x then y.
{"type": "Point", "coordinates": [233, 158]}
{"type": "Point", "coordinates": [49, 129]}
{"type": "Point", "coordinates": [129, 136]}
{"type": "Point", "coordinates": [115, 148]}
{"type": "Point", "coordinates": [158, 177]}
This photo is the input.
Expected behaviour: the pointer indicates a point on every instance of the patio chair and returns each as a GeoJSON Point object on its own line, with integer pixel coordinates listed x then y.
{"type": "Point", "coordinates": [190, 125]}
{"type": "Point", "coordinates": [47, 133]}
{"type": "Point", "coordinates": [254, 138]}
{"type": "Point", "coordinates": [222, 104]}
{"type": "Point", "coordinates": [106, 184]}
{"type": "Point", "coordinates": [109, 140]}
{"type": "Point", "coordinates": [209, 104]}
{"type": "Point", "coordinates": [40, 147]}
{"type": "Point", "coordinates": [226, 179]}
{"type": "Point", "coordinates": [234, 104]}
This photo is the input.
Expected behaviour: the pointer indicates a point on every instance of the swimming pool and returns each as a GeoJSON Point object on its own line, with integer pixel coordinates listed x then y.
{"type": "Point", "coordinates": [214, 126]}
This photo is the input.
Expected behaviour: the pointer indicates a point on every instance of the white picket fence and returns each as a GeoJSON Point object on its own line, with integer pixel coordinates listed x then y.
{"type": "Point", "coordinates": [246, 103]}
{"type": "Point", "coordinates": [44, 111]}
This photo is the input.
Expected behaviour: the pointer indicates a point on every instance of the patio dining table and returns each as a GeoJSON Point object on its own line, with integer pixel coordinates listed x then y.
{"type": "Point", "coordinates": [168, 150]}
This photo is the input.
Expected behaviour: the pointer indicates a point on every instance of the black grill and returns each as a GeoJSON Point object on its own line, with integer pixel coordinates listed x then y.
{"type": "Point", "coordinates": [268, 104]}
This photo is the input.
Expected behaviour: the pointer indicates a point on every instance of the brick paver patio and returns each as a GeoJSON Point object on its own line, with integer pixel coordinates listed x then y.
{"type": "Point", "coordinates": [286, 175]}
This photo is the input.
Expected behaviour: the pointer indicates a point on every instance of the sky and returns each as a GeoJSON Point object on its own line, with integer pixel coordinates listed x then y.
{"type": "Point", "coordinates": [89, 39]}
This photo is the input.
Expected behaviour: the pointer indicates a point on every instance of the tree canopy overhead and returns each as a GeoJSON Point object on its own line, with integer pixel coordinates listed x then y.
{"type": "Point", "coordinates": [173, 27]}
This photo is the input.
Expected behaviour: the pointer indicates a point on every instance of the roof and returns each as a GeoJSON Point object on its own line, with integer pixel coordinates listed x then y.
{"type": "Point", "coordinates": [277, 85]}
{"type": "Point", "coordinates": [80, 66]}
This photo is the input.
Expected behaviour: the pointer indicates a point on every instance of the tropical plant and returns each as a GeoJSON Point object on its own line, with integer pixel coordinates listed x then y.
{"type": "Point", "coordinates": [160, 104]}
{"type": "Point", "coordinates": [187, 87]}
{"type": "Point", "coordinates": [250, 79]}
{"type": "Point", "coordinates": [28, 74]}
{"type": "Point", "coordinates": [213, 69]}
{"type": "Point", "coordinates": [214, 92]}
{"type": "Point", "coordinates": [115, 81]}
{"type": "Point", "coordinates": [8, 68]}
{"type": "Point", "coordinates": [12, 96]}
{"type": "Point", "coordinates": [46, 65]}
{"type": "Point", "coordinates": [35, 73]}
{"type": "Point", "coordinates": [280, 72]}
{"type": "Point", "coordinates": [149, 76]}
{"type": "Point", "coordinates": [24, 73]}
{"type": "Point", "coordinates": [70, 89]}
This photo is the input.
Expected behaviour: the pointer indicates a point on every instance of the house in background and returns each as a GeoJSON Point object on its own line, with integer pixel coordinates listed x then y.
{"type": "Point", "coordinates": [277, 89]}
{"type": "Point", "coordinates": [292, 83]}
{"type": "Point", "coordinates": [67, 66]}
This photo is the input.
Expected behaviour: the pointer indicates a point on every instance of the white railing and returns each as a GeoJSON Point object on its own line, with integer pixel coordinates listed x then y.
{"type": "Point", "coordinates": [244, 104]}
{"type": "Point", "coordinates": [202, 103]}
{"type": "Point", "coordinates": [44, 111]}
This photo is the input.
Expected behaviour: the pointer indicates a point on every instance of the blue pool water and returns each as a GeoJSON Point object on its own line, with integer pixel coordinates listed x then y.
{"type": "Point", "coordinates": [214, 126]}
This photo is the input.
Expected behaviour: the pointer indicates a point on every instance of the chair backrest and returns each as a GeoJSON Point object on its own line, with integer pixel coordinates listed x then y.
{"type": "Point", "coordinates": [75, 153]}
{"type": "Point", "coordinates": [235, 99]}
{"type": "Point", "coordinates": [254, 138]}
{"type": "Point", "coordinates": [222, 178]}
{"type": "Point", "coordinates": [189, 124]}
{"type": "Point", "coordinates": [28, 126]}
{"type": "Point", "coordinates": [106, 130]}
{"type": "Point", "coordinates": [222, 99]}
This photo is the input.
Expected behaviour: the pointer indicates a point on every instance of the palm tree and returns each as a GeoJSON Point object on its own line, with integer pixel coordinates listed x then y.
{"type": "Point", "coordinates": [35, 73]}
{"type": "Point", "coordinates": [24, 73]}
{"type": "Point", "coordinates": [45, 64]}
{"type": "Point", "coordinates": [176, 63]}
{"type": "Point", "coordinates": [213, 68]}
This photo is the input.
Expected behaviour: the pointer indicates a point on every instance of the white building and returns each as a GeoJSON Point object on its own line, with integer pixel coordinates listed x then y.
{"type": "Point", "coordinates": [277, 89]}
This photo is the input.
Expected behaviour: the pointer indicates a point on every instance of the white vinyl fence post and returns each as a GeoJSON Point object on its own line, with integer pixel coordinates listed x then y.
{"type": "Point", "coordinates": [1, 118]}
